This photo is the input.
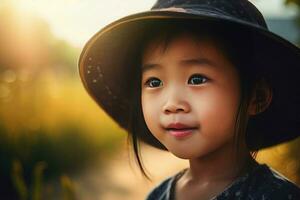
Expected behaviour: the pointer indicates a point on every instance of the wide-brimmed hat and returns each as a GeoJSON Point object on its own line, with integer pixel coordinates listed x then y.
{"type": "Point", "coordinates": [108, 59]}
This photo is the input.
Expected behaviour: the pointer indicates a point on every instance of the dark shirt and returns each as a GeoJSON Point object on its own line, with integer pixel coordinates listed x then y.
{"type": "Point", "coordinates": [261, 183]}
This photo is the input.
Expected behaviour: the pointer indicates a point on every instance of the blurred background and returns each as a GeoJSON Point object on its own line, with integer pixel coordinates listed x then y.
{"type": "Point", "coordinates": [55, 142]}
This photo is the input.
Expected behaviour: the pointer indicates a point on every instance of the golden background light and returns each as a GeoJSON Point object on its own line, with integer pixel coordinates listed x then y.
{"type": "Point", "coordinates": [76, 20]}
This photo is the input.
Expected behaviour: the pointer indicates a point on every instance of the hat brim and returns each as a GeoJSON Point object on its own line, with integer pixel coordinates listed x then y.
{"type": "Point", "coordinates": [109, 56]}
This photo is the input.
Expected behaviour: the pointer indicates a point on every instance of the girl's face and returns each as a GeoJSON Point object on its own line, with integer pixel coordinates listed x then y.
{"type": "Point", "coordinates": [194, 84]}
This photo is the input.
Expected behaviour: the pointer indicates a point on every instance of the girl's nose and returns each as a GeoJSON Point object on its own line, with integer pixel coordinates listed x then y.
{"type": "Point", "coordinates": [175, 104]}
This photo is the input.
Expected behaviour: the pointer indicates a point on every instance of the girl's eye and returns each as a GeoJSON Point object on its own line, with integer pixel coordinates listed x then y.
{"type": "Point", "coordinates": [197, 79]}
{"type": "Point", "coordinates": [153, 82]}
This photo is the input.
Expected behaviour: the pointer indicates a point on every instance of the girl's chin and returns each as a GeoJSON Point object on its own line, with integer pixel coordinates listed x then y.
{"type": "Point", "coordinates": [183, 154]}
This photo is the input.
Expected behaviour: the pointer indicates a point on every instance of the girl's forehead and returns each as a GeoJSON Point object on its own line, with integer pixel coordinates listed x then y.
{"type": "Point", "coordinates": [166, 40]}
{"type": "Point", "coordinates": [183, 52]}
{"type": "Point", "coordinates": [185, 44]}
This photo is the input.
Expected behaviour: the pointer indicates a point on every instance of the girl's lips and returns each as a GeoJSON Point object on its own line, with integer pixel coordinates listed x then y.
{"type": "Point", "coordinates": [178, 125]}
{"type": "Point", "coordinates": [181, 133]}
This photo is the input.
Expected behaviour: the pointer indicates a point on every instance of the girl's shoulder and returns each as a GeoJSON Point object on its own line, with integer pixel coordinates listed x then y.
{"type": "Point", "coordinates": [276, 186]}
{"type": "Point", "coordinates": [263, 182]}
{"type": "Point", "coordinates": [163, 191]}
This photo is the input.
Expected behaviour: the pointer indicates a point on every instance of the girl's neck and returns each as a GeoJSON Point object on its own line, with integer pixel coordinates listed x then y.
{"type": "Point", "coordinates": [219, 166]}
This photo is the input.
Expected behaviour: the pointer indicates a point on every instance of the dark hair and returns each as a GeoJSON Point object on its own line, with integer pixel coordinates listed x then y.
{"type": "Point", "coordinates": [235, 43]}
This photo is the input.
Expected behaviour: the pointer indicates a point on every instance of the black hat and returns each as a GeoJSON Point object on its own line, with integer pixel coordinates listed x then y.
{"type": "Point", "coordinates": [106, 62]}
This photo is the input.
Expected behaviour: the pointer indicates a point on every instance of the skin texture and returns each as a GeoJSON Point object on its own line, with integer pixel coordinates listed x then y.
{"type": "Point", "coordinates": [210, 106]}
{"type": "Point", "coordinates": [204, 95]}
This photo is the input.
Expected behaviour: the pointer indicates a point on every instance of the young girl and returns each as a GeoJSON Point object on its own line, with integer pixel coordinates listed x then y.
{"type": "Point", "coordinates": [206, 81]}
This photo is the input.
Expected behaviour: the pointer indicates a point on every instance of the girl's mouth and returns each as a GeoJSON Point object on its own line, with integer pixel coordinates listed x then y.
{"type": "Point", "coordinates": [181, 133]}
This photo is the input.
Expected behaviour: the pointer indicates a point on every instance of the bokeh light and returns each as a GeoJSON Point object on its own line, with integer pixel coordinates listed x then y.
{"type": "Point", "coordinates": [55, 141]}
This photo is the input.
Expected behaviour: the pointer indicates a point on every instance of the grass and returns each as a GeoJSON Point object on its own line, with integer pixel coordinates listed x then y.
{"type": "Point", "coordinates": [50, 127]}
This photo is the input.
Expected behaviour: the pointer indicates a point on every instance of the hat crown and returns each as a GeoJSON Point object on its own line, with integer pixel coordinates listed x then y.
{"type": "Point", "coordinates": [238, 9]}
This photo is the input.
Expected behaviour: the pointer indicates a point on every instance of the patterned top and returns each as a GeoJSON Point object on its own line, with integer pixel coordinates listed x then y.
{"type": "Point", "coordinates": [261, 183]}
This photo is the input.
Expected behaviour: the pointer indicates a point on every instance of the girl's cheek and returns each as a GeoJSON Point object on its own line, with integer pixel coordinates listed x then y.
{"type": "Point", "coordinates": [216, 111]}
{"type": "Point", "coordinates": [150, 113]}
{"type": "Point", "coordinates": [148, 105]}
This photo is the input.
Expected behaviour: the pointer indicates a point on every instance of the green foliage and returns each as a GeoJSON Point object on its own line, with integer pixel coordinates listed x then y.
{"type": "Point", "coordinates": [27, 41]}
{"type": "Point", "coordinates": [68, 190]}
{"type": "Point", "coordinates": [297, 2]}
{"type": "Point", "coordinates": [68, 151]}
{"type": "Point", "coordinates": [48, 119]}
{"type": "Point", "coordinates": [297, 19]}
{"type": "Point", "coordinates": [48, 125]}
{"type": "Point", "coordinates": [38, 180]}
{"type": "Point", "coordinates": [18, 180]}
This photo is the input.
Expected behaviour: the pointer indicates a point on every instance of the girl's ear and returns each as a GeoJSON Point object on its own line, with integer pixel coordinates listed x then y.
{"type": "Point", "coordinates": [261, 97]}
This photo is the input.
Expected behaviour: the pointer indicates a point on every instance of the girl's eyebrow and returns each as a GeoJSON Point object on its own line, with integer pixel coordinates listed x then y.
{"type": "Point", "coordinates": [150, 66]}
{"type": "Point", "coordinates": [186, 62]}
{"type": "Point", "coordinates": [198, 61]}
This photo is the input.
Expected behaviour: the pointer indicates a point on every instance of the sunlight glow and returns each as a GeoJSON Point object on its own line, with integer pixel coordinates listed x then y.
{"type": "Point", "coordinates": [76, 21]}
